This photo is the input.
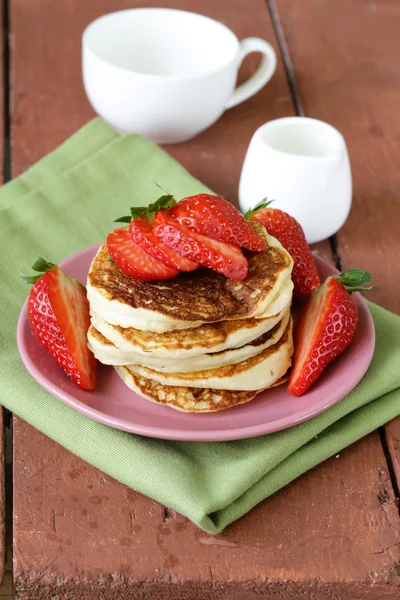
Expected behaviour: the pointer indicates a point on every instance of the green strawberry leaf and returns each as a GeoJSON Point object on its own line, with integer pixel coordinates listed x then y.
{"type": "Point", "coordinates": [355, 280]}
{"type": "Point", "coordinates": [138, 211]}
{"type": "Point", "coordinates": [30, 278]}
{"type": "Point", "coordinates": [41, 266]}
{"type": "Point", "coordinates": [165, 201]}
{"type": "Point", "coordinates": [148, 212]}
{"type": "Point", "coordinates": [126, 219]}
{"type": "Point", "coordinates": [262, 204]}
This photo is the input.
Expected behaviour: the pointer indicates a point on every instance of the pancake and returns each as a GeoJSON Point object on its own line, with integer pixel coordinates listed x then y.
{"type": "Point", "coordinates": [186, 343]}
{"type": "Point", "coordinates": [255, 373]}
{"type": "Point", "coordinates": [185, 399]}
{"type": "Point", "coordinates": [191, 299]}
{"type": "Point", "coordinates": [107, 353]}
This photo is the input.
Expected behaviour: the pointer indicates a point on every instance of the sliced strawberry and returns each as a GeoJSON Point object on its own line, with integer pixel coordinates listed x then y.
{"type": "Point", "coordinates": [291, 235]}
{"type": "Point", "coordinates": [325, 328]}
{"type": "Point", "coordinates": [134, 261]}
{"type": "Point", "coordinates": [221, 257]}
{"type": "Point", "coordinates": [218, 219]}
{"type": "Point", "coordinates": [143, 235]}
{"type": "Point", "coordinates": [58, 312]}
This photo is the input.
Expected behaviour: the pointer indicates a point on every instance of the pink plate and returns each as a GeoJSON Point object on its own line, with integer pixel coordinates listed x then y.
{"type": "Point", "coordinates": [114, 404]}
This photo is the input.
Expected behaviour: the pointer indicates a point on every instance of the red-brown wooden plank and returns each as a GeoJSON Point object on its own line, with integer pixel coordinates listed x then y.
{"type": "Point", "coordinates": [330, 535]}
{"type": "Point", "coordinates": [49, 102]}
{"type": "Point", "coordinates": [77, 533]}
{"type": "Point", "coordinates": [347, 73]}
{"type": "Point", "coordinates": [357, 91]}
{"type": "Point", "coordinates": [393, 444]}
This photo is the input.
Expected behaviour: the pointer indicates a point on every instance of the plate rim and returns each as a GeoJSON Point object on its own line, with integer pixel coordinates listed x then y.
{"type": "Point", "coordinates": [217, 435]}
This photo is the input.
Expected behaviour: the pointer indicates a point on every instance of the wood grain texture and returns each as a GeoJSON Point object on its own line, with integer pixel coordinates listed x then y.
{"type": "Point", "coordinates": [6, 588]}
{"type": "Point", "coordinates": [49, 102]}
{"type": "Point", "coordinates": [357, 91]}
{"type": "Point", "coordinates": [328, 535]}
{"type": "Point", "coordinates": [79, 534]}
{"type": "Point", "coordinates": [393, 444]}
{"type": "Point", "coordinates": [347, 73]}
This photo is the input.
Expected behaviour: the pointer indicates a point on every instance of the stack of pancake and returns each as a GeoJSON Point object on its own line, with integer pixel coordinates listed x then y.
{"type": "Point", "coordinates": [198, 342]}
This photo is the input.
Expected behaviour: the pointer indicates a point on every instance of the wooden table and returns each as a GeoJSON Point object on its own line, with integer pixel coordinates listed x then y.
{"type": "Point", "coordinates": [332, 534]}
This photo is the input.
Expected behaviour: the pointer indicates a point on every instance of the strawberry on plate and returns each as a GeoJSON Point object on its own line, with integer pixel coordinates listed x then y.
{"type": "Point", "coordinates": [143, 235]}
{"type": "Point", "coordinates": [223, 258]}
{"type": "Point", "coordinates": [58, 312]}
{"type": "Point", "coordinates": [134, 261]}
{"type": "Point", "coordinates": [218, 219]}
{"type": "Point", "coordinates": [325, 328]}
{"type": "Point", "coordinates": [291, 235]}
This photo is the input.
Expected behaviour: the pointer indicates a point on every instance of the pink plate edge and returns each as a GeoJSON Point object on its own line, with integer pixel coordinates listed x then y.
{"type": "Point", "coordinates": [190, 435]}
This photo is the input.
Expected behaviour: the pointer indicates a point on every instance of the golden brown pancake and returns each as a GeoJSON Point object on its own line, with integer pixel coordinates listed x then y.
{"type": "Point", "coordinates": [186, 399]}
{"type": "Point", "coordinates": [185, 343]}
{"type": "Point", "coordinates": [173, 359]}
{"type": "Point", "coordinates": [201, 296]}
{"type": "Point", "coordinates": [257, 372]}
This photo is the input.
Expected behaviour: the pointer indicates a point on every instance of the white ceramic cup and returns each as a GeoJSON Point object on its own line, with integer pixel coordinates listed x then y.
{"type": "Point", "coordinates": [166, 74]}
{"type": "Point", "coordinates": [303, 165]}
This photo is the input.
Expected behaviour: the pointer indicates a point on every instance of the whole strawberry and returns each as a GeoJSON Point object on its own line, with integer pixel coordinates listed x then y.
{"type": "Point", "coordinates": [218, 219]}
{"type": "Point", "coordinates": [291, 235]}
{"type": "Point", "coordinates": [325, 328]}
{"type": "Point", "coordinates": [58, 312]}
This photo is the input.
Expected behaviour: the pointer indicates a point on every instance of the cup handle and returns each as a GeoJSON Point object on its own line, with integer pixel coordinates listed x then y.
{"type": "Point", "coordinates": [261, 76]}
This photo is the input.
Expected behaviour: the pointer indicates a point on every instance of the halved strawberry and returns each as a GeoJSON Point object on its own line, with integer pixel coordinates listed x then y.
{"type": "Point", "coordinates": [218, 219]}
{"type": "Point", "coordinates": [134, 261]}
{"type": "Point", "coordinates": [58, 312]}
{"type": "Point", "coordinates": [291, 235]}
{"type": "Point", "coordinates": [325, 328]}
{"type": "Point", "coordinates": [143, 235]}
{"type": "Point", "coordinates": [221, 257]}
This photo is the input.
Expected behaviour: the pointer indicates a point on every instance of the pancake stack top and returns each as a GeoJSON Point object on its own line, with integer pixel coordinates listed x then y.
{"type": "Point", "coordinates": [199, 342]}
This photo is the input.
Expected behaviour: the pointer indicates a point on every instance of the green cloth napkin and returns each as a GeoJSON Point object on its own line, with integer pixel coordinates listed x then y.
{"type": "Point", "coordinates": [68, 201]}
